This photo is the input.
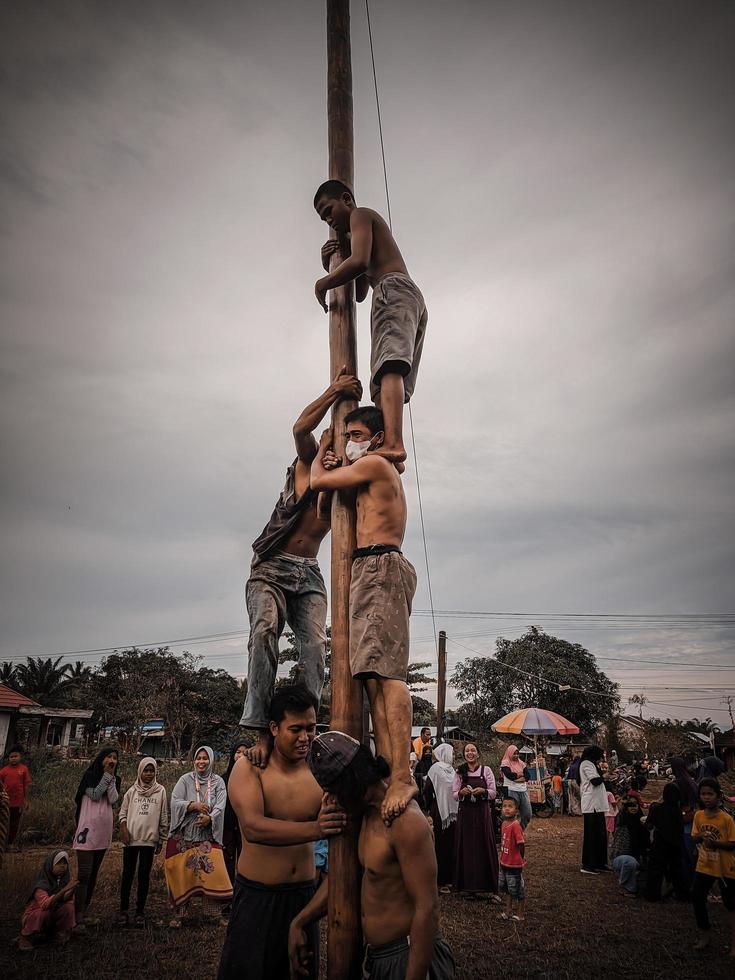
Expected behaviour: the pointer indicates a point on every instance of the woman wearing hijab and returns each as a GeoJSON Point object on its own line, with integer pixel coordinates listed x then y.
{"type": "Point", "coordinates": [195, 864]}
{"type": "Point", "coordinates": [515, 774]}
{"type": "Point", "coordinates": [476, 855]}
{"type": "Point", "coordinates": [231, 840]}
{"type": "Point", "coordinates": [98, 791]}
{"type": "Point", "coordinates": [50, 908]}
{"type": "Point", "coordinates": [442, 808]}
{"type": "Point", "coordinates": [665, 823]}
{"type": "Point", "coordinates": [594, 802]}
{"type": "Point", "coordinates": [688, 790]}
{"type": "Point", "coordinates": [144, 824]}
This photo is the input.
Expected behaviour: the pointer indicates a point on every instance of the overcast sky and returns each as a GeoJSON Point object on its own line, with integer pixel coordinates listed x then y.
{"type": "Point", "coordinates": [562, 179]}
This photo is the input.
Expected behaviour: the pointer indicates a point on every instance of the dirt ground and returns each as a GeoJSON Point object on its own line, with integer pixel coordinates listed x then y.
{"type": "Point", "coordinates": [576, 927]}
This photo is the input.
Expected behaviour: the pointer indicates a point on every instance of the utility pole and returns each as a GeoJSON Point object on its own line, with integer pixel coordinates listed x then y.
{"type": "Point", "coordinates": [441, 686]}
{"type": "Point", "coordinates": [344, 944]}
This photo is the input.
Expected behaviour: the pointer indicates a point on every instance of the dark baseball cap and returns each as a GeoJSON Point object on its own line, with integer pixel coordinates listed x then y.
{"type": "Point", "coordinates": [330, 755]}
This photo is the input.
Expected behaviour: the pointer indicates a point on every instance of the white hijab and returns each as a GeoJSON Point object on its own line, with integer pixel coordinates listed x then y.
{"type": "Point", "coordinates": [441, 775]}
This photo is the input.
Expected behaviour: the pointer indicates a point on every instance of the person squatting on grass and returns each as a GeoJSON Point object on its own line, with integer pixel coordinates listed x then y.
{"type": "Point", "coordinates": [511, 883]}
{"type": "Point", "coordinates": [49, 913]}
{"type": "Point", "coordinates": [144, 822]}
{"type": "Point", "coordinates": [714, 831]}
{"type": "Point", "coordinates": [16, 779]}
{"type": "Point", "coordinates": [98, 791]}
{"type": "Point", "coordinates": [630, 844]}
{"type": "Point", "coordinates": [195, 865]}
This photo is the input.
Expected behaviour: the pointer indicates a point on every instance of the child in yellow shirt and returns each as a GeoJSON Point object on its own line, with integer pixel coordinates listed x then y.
{"type": "Point", "coordinates": [714, 831]}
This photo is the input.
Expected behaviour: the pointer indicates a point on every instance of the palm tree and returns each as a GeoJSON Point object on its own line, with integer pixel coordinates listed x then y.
{"type": "Point", "coordinates": [43, 680]}
{"type": "Point", "coordinates": [7, 673]}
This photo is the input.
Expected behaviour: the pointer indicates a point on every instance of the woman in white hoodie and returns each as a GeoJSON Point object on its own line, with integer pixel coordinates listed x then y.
{"type": "Point", "coordinates": [144, 823]}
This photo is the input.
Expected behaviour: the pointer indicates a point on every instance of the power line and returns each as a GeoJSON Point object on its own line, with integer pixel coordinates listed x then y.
{"type": "Point", "coordinates": [410, 413]}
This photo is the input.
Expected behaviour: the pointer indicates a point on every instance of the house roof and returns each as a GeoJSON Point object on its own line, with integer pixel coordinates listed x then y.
{"type": "Point", "coordinates": [46, 712]}
{"type": "Point", "coordinates": [633, 721]}
{"type": "Point", "coordinates": [10, 699]}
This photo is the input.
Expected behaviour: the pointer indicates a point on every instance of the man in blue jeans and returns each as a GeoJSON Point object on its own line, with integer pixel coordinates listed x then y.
{"type": "Point", "coordinates": [285, 584]}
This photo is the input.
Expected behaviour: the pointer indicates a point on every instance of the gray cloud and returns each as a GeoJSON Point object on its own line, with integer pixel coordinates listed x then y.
{"type": "Point", "coordinates": [562, 189]}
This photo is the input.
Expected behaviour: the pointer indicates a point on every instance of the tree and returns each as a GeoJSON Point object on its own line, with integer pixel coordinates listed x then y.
{"type": "Point", "coordinates": [534, 671]}
{"type": "Point", "coordinates": [290, 654]}
{"type": "Point", "coordinates": [7, 673]}
{"type": "Point", "coordinates": [424, 712]}
{"type": "Point", "coordinates": [46, 681]}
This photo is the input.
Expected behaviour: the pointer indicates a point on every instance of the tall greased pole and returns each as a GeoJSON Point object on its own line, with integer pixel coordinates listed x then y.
{"type": "Point", "coordinates": [344, 946]}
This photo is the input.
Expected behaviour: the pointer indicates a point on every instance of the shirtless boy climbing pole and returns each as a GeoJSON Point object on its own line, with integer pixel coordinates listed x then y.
{"type": "Point", "coordinates": [382, 587]}
{"type": "Point", "coordinates": [398, 314]}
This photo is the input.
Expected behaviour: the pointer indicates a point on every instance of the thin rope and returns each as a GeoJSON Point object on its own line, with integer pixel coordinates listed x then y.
{"type": "Point", "coordinates": [410, 413]}
{"type": "Point", "coordinates": [380, 121]}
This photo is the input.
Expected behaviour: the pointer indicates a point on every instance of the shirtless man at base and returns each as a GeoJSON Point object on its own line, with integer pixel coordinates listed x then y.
{"type": "Point", "coordinates": [285, 584]}
{"type": "Point", "coordinates": [382, 587]}
{"type": "Point", "coordinates": [281, 811]}
{"type": "Point", "coordinates": [399, 899]}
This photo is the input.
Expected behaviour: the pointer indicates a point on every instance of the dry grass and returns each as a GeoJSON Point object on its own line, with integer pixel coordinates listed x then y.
{"type": "Point", "coordinates": [577, 927]}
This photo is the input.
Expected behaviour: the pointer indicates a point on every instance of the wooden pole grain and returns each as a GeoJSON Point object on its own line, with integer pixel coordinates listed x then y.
{"type": "Point", "coordinates": [344, 943]}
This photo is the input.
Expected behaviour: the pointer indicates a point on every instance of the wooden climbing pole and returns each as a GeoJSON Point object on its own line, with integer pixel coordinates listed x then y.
{"type": "Point", "coordinates": [344, 947]}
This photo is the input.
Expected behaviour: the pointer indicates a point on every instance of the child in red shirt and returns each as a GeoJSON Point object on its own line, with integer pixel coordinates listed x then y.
{"type": "Point", "coordinates": [512, 861]}
{"type": "Point", "coordinates": [16, 779]}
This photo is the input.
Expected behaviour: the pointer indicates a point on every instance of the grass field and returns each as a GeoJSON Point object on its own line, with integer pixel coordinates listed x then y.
{"type": "Point", "coordinates": [577, 927]}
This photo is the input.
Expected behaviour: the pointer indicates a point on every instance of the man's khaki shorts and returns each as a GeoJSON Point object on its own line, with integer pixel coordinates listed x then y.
{"type": "Point", "coordinates": [381, 593]}
{"type": "Point", "coordinates": [398, 321]}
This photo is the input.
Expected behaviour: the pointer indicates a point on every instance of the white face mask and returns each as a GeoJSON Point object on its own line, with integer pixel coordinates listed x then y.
{"type": "Point", "coordinates": [355, 450]}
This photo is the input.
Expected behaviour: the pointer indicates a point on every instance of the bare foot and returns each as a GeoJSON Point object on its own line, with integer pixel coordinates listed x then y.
{"type": "Point", "coordinates": [394, 454]}
{"type": "Point", "coordinates": [259, 753]}
{"type": "Point", "coordinates": [397, 797]}
{"type": "Point", "coordinates": [702, 943]}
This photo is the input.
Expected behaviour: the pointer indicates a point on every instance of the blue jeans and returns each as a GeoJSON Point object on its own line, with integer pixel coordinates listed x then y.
{"type": "Point", "coordinates": [524, 806]}
{"type": "Point", "coordinates": [626, 867]}
{"type": "Point", "coordinates": [283, 589]}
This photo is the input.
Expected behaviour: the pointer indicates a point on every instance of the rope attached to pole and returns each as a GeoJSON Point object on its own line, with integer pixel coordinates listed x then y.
{"type": "Point", "coordinates": [410, 413]}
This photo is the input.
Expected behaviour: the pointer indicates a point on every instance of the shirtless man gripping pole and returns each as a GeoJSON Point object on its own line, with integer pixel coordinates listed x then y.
{"type": "Point", "coordinates": [399, 901]}
{"type": "Point", "coordinates": [281, 810]}
{"type": "Point", "coordinates": [285, 584]}
{"type": "Point", "coordinates": [382, 587]}
{"type": "Point", "coordinates": [398, 314]}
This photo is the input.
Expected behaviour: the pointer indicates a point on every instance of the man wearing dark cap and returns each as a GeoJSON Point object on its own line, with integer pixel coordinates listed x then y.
{"type": "Point", "coordinates": [400, 903]}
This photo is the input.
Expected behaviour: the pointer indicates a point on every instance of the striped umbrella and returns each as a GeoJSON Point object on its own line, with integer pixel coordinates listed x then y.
{"type": "Point", "coordinates": [535, 721]}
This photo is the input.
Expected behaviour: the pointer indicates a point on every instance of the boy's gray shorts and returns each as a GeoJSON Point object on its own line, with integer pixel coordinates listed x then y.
{"type": "Point", "coordinates": [510, 882]}
{"type": "Point", "coordinates": [398, 321]}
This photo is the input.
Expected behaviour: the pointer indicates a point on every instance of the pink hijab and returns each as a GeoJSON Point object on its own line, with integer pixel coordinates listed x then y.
{"type": "Point", "coordinates": [515, 765]}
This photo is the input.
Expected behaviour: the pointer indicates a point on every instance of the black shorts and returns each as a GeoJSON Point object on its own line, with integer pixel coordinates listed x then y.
{"type": "Point", "coordinates": [256, 946]}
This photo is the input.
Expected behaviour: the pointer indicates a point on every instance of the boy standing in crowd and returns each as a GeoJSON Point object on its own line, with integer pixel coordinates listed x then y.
{"type": "Point", "coordinates": [512, 862]}
{"type": "Point", "coordinates": [16, 779]}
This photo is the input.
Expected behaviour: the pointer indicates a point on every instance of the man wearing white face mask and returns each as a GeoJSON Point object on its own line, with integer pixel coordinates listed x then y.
{"type": "Point", "coordinates": [381, 590]}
